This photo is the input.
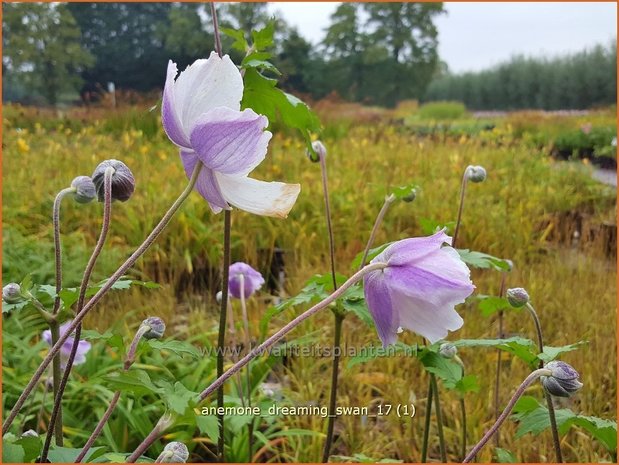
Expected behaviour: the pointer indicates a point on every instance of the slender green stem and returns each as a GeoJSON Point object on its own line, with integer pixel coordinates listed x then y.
{"type": "Point", "coordinates": [379, 219]}
{"type": "Point", "coordinates": [264, 347]}
{"type": "Point", "coordinates": [250, 425]}
{"type": "Point", "coordinates": [497, 379]}
{"type": "Point", "coordinates": [129, 360]}
{"type": "Point", "coordinates": [339, 318]}
{"type": "Point", "coordinates": [99, 295]}
{"type": "Point", "coordinates": [497, 424]}
{"type": "Point", "coordinates": [465, 179]}
{"type": "Point", "coordinates": [55, 427]}
{"type": "Point", "coordinates": [337, 345]}
{"type": "Point", "coordinates": [221, 340]}
{"type": "Point", "coordinates": [426, 423]}
{"type": "Point", "coordinates": [551, 410]}
{"type": "Point", "coordinates": [439, 419]}
{"type": "Point", "coordinates": [56, 416]}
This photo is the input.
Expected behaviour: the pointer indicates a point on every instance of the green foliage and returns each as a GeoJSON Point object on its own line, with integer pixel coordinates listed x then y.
{"type": "Point", "coordinates": [483, 260]}
{"type": "Point", "coordinates": [442, 111]}
{"type": "Point", "coordinates": [504, 456]}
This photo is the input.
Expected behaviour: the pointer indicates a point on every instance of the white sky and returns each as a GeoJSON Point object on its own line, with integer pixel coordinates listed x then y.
{"type": "Point", "coordinates": [477, 35]}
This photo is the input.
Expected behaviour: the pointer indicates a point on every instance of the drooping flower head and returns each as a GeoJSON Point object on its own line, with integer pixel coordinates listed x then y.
{"type": "Point", "coordinates": [82, 348]}
{"type": "Point", "coordinates": [418, 289]}
{"type": "Point", "coordinates": [201, 115]}
{"type": "Point", "coordinates": [563, 382]}
{"type": "Point", "coordinates": [252, 280]}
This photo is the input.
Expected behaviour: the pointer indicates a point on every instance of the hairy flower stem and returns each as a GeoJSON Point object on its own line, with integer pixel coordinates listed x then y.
{"type": "Point", "coordinates": [221, 340]}
{"type": "Point", "coordinates": [379, 219]}
{"type": "Point", "coordinates": [339, 317]}
{"type": "Point", "coordinates": [426, 424]}
{"type": "Point", "coordinates": [129, 359]}
{"type": "Point", "coordinates": [55, 418]}
{"type": "Point", "coordinates": [99, 295]}
{"type": "Point", "coordinates": [439, 419]}
{"type": "Point", "coordinates": [54, 326]}
{"type": "Point", "coordinates": [551, 409]}
{"type": "Point", "coordinates": [465, 179]}
{"type": "Point", "coordinates": [519, 392]}
{"type": "Point", "coordinates": [262, 348]}
{"type": "Point", "coordinates": [497, 379]}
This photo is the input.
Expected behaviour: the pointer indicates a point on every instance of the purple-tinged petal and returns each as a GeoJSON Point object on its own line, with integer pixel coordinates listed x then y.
{"type": "Point", "coordinates": [206, 185]}
{"type": "Point", "coordinates": [47, 336]}
{"type": "Point", "coordinates": [170, 110]}
{"type": "Point", "coordinates": [229, 141]}
{"type": "Point", "coordinates": [204, 85]}
{"type": "Point", "coordinates": [258, 197]}
{"type": "Point", "coordinates": [379, 303]}
{"type": "Point", "coordinates": [409, 250]}
{"type": "Point", "coordinates": [252, 280]}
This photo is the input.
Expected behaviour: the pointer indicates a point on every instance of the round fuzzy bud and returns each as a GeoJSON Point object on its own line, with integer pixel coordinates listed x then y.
{"type": "Point", "coordinates": [563, 381]}
{"type": "Point", "coordinates": [157, 327]}
{"type": "Point", "coordinates": [123, 182]}
{"type": "Point", "coordinates": [517, 297]}
{"type": "Point", "coordinates": [175, 452]}
{"type": "Point", "coordinates": [320, 149]}
{"type": "Point", "coordinates": [476, 173]}
{"type": "Point", "coordinates": [11, 293]}
{"type": "Point", "coordinates": [448, 350]}
{"type": "Point", "coordinates": [85, 190]}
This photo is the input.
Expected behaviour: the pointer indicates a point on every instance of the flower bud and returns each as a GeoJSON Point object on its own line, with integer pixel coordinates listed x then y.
{"type": "Point", "coordinates": [123, 182]}
{"type": "Point", "coordinates": [320, 149]}
{"type": "Point", "coordinates": [476, 173]}
{"type": "Point", "coordinates": [30, 434]}
{"type": "Point", "coordinates": [563, 381]}
{"type": "Point", "coordinates": [410, 197]}
{"type": "Point", "coordinates": [157, 327]}
{"type": "Point", "coordinates": [219, 296]}
{"type": "Point", "coordinates": [448, 350]}
{"type": "Point", "coordinates": [11, 293]}
{"type": "Point", "coordinates": [174, 452]}
{"type": "Point", "coordinates": [517, 297]}
{"type": "Point", "coordinates": [85, 190]}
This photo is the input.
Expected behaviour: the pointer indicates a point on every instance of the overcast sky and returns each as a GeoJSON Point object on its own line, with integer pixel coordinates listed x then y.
{"type": "Point", "coordinates": [477, 35]}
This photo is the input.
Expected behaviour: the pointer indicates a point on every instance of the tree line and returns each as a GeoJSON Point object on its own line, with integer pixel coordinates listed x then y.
{"type": "Point", "coordinates": [373, 53]}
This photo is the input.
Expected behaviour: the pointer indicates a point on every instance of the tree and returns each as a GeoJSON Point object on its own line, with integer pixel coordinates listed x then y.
{"type": "Point", "coordinates": [127, 40]}
{"type": "Point", "coordinates": [41, 48]}
{"type": "Point", "coordinates": [245, 16]}
{"type": "Point", "coordinates": [185, 38]}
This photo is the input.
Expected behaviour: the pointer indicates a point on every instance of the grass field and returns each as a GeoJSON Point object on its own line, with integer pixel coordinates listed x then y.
{"type": "Point", "coordinates": [527, 211]}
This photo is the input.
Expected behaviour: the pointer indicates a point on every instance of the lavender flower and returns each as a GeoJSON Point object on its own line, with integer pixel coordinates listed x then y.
{"type": "Point", "coordinates": [563, 382]}
{"type": "Point", "coordinates": [201, 115]}
{"type": "Point", "coordinates": [252, 279]}
{"type": "Point", "coordinates": [82, 348]}
{"type": "Point", "coordinates": [418, 289]}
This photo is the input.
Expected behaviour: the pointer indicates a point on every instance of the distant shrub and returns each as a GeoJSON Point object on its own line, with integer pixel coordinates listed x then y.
{"type": "Point", "coordinates": [442, 110]}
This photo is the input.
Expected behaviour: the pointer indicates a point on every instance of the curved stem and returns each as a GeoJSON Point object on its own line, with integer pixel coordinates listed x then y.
{"type": "Point", "coordinates": [439, 419]}
{"type": "Point", "coordinates": [551, 410]}
{"type": "Point", "coordinates": [130, 358]}
{"type": "Point", "coordinates": [497, 379]}
{"type": "Point", "coordinates": [262, 348]}
{"type": "Point", "coordinates": [99, 295]}
{"type": "Point", "coordinates": [337, 346]}
{"type": "Point", "coordinates": [465, 178]}
{"type": "Point", "coordinates": [56, 416]}
{"type": "Point", "coordinates": [497, 424]}
{"type": "Point", "coordinates": [221, 340]}
{"type": "Point", "coordinates": [426, 423]}
{"type": "Point", "coordinates": [379, 219]}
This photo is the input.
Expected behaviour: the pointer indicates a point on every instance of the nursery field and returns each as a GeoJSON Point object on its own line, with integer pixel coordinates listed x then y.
{"type": "Point", "coordinates": [539, 207]}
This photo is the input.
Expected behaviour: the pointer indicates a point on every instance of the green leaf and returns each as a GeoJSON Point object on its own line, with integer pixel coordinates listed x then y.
{"type": "Point", "coordinates": [356, 263]}
{"type": "Point", "coordinates": [179, 398]}
{"type": "Point", "coordinates": [134, 381]}
{"type": "Point", "coordinates": [448, 370]}
{"type": "Point", "coordinates": [604, 431]}
{"type": "Point", "coordinates": [263, 38]}
{"type": "Point", "coordinates": [372, 352]}
{"type": "Point", "coordinates": [489, 304]}
{"type": "Point", "coordinates": [179, 348]}
{"type": "Point", "coordinates": [68, 455]}
{"type": "Point", "coordinates": [261, 65]}
{"type": "Point", "coordinates": [32, 447]}
{"type": "Point", "coordinates": [113, 340]}
{"type": "Point", "coordinates": [505, 456]}
{"type": "Point", "coordinates": [483, 260]}
{"type": "Point", "coordinates": [522, 348]}
{"type": "Point", "coordinates": [263, 97]}
{"type": "Point", "coordinates": [240, 43]}
{"type": "Point", "coordinates": [208, 424]}
{"type": "Point", "coordinates": [550, 353]}
{"type": "Point", "coordinates": [404, 192]}
{"type": "Point", "coordinates": [12, 453]}
{"type": "Point", "coordinates": [468, 383]}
